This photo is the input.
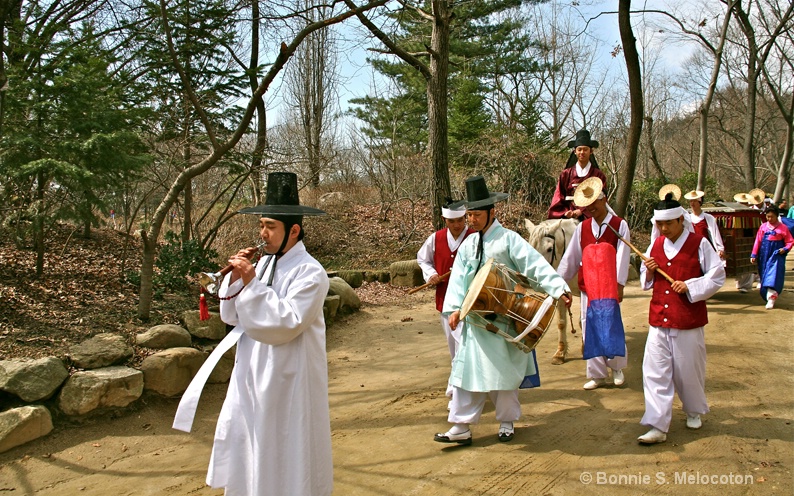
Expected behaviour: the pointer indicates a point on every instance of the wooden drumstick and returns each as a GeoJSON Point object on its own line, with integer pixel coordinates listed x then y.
{"type": "Point", "coordinates": [423, 286]}
{"type": "Point", "coordinates": [641, 254]}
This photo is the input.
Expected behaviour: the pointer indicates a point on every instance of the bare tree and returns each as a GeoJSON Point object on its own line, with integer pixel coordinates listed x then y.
{"type": "Point", "coordinates": [568, 88]}
{"type": "Point", "coordinates": [757, 52]}
{"type": "Point", "coordinates": [312, 80]}
{"type": "Point", "coordinates": [778, 79]}
{"type": "Point", "coordinates": [436, 74]}
{"type": "Point", "coordinates": [218, 148]}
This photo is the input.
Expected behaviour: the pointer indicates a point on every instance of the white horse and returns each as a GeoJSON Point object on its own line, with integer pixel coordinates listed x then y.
{"type": "Point", "coordinates": [550, 238]}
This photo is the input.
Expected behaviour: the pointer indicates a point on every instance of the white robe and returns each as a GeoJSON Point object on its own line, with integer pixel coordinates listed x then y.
{"type": "Point", "coordinates": [426, 258]}
{"type": "Point", "coordinates": [274, 433]}
{"type": "Point", "coordinates": [675, 359]}
{"type": "Point", "coordinates": [571, 263]}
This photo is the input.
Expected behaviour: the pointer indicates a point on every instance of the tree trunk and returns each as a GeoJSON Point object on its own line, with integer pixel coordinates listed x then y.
{"type": "Point", "coordinates": [747, 159]}
{"type": "Point", "coordinates": [705, 107]}
{"type": "Point", "coordinates": [652, 148]}
{"type": "Point", "coordinates": [261, 114]}
{"type": "Point", "coordinates": [637, 106]}
{"type": "Point", "coordinates": [784, 172]}
{"type": "Point", "coordinates": [147, 273]}
{"type": "Point", "coordinates": [187, 220]}
{"type": "Point", "coordinates": [38, 229]}
{"type": "Point", "coordinates": [437, 141]}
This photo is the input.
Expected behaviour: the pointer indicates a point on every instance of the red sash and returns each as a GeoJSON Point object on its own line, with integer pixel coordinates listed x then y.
{"type": "Point", "coordinates": [587, 238]}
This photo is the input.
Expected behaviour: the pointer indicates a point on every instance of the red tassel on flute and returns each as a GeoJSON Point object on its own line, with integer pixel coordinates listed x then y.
{"type": "Point", "coordinates": [204, 311]}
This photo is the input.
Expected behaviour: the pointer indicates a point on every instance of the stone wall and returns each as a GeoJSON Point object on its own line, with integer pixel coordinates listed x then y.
{"type": "Point", "coordinates": [103, 382]}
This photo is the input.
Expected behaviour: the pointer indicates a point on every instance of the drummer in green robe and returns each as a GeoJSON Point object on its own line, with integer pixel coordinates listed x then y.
{"type": "Point", "coordinates": [487, 365]}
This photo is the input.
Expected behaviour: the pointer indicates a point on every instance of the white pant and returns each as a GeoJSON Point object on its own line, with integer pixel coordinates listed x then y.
{"type": "Point", "coordinates": [745, 281]}
{"type": "Point", "coordinates": [598, 367]}
{"type": "Point", "coordinates": [675, 362]}
{"type": "Point", "coordinates": [453, 341]}
{"type": "Point", "coordinates": [453, 335]}
{"type": "Point", "coordinates": [466, 406]}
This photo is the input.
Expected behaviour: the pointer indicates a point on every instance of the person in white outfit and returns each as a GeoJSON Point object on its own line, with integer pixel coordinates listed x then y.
{"type": "Point", "coordinates": [435, 258]}
{"type": "Point", "coordinates": [675, 351]}
{"type": "Point", "coordinates": [273, 435]}
{"type": "Point", "coordinates": [590, 196]}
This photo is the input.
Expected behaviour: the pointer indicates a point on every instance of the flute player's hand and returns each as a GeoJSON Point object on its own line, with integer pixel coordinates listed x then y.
{"type": "Point", "coordinates": [242, 267]}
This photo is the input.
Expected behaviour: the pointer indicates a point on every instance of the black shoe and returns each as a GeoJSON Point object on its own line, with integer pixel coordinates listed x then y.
{"type": "Point", "coordinates": [464, 438]}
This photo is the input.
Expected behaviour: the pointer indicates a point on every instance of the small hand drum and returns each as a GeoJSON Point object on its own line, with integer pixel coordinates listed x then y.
{"type": "Point", "coordinates": [497, 290]}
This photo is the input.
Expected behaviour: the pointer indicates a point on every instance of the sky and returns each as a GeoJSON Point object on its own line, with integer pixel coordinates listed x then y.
{"type": "Point", "coordinates": [357, 78]}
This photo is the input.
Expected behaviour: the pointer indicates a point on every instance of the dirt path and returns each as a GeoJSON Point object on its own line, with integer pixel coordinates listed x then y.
{"type": "Point", "coordinates": [387, 377]}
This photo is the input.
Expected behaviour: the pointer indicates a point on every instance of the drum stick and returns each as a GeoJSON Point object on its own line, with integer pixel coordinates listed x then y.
{"type": "Point", "coordinates": [423, 286]}
{"type": "Point", "coordinates": [641, 254]}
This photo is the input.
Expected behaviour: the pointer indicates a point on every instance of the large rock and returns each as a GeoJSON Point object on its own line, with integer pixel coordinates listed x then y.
{"type": "Point", "coordinates": [376, 276]}
{"type": "Point", "coordinates": [100, 388]}
{"type": "Point", "coordinates": [100, 351]}
{"type": "Point", "coordinates": [406, 273]}
{"type": "Point", "coordinates": [331, 307]}
{"type": "Point", "coordinates": [348, 299]}
{"type": "Point", "coordinates": [20, 425]}
{"type": "Point", "coordinates": [169, 372]}
{"type": "Point", "coordinates": [164, 336]}
{"type": "Point", "coordinates": [353, 277]}
{"type": "Point", "coordinates": [32, 380]}
{"type": "Point", "coordinates": [223, 370]}
{"type": "Point", "coordinates": [214, 328]}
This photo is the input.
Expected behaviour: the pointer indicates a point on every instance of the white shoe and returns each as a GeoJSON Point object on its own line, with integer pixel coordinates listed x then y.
{"type": "Point", "coordinates": [463, 438]}
{"type": "Point", "coordinates": [506, 432]}
{"type": "Point", "coordinates": [693, 421]}
{"type": "Point", "coordinates": [617, 377]}
{"type": "Point", "coordinates": [742, 290]}
{"type": "Point", "coordinates": [653, 436]}
{"type": "Point", "coordinates": [770, 303]}
{"type": "Point", "coordinates": [594, 383]}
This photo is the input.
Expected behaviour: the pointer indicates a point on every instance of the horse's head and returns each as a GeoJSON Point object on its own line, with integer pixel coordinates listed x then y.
{"type": "Point", "coordinates": [550, 237]}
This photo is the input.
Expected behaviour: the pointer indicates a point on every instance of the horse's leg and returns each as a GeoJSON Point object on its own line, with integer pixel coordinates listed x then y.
{"type": "Point", "coordinates": [562, 327]}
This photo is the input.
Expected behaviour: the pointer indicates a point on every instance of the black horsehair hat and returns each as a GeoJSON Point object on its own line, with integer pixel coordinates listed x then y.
{"type": "Point", "coordinates": [583, 139]}
{"type": "Point", "coordinates": [477, 195]}
{"type": "Point", "coordinates": [282, 198]}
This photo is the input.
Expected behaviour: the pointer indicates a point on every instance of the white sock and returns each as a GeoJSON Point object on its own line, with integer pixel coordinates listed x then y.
{"type": "Point", "coordinates": [506, 425]}
{"type": "Point", "coordinates": [459, 428]}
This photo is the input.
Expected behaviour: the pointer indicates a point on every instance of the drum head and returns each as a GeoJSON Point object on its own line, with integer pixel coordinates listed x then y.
{"type": "Point", "coordinates": [474, 288]}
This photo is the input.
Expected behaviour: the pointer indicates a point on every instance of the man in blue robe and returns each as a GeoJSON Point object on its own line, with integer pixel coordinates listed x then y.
{"type": "Point", "coordinates": [487, 365]}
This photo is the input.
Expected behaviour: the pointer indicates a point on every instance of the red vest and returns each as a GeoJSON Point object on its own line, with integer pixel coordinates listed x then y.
{"type": "Point", "coordinates": [443, 259]}
{"type": "Point", "coordinates": [701, 228]}
{"type": "Point", "coordinates": [668, 308]}
{"type": "Point", "coordinates": [587, 238]}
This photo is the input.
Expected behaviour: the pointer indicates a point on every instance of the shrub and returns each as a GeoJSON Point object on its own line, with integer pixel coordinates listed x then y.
{"type": "Point", "coordinates": [177, 260]}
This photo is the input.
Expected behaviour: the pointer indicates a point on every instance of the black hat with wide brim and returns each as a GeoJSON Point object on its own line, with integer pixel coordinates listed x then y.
{"type": "Point", "coordinates": [583, 139]}
{"type": "Point", "coordinates": [477, 194]}
{"type": "Point", "coordinates": [282, 198]}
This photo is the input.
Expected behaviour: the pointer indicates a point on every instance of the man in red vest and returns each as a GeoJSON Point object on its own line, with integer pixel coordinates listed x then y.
{"type": "Point", "coordinates": [675, 351]}
{"type": "Point", "coordinates": [435, 258]}
{"type": "Point", "coordinates": [590, 197]}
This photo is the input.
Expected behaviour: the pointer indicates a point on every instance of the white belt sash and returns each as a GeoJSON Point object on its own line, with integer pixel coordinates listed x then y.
{"type": "Point", "coordinates": [186, 411]}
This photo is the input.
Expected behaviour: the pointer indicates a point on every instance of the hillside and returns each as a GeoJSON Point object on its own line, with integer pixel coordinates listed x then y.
{"type": "Point", "coordinates": [84, 290]}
